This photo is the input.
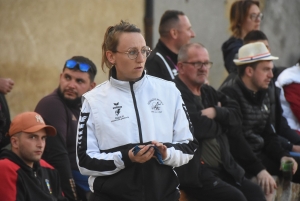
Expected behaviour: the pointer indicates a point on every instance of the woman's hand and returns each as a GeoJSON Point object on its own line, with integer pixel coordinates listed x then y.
{"type": "Point", "coordinates": [145, 154]}
{"type": "Point", "coordinates": [162, 148]}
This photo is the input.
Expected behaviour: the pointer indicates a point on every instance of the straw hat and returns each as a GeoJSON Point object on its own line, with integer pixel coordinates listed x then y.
{"type": "Point", "coordinates": [253, 52]}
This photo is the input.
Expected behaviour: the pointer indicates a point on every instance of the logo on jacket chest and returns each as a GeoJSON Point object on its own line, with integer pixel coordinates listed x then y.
{"type": "Point", "coordinates": [155, 105]}
{"type": "Point", "coordinates": [118, 116]}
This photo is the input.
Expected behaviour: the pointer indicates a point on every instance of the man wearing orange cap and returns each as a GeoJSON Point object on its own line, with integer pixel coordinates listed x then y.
{"type": "Point", "coordinates": [251, 90]}
{"type": "Point", "coordinates": [24, 175]}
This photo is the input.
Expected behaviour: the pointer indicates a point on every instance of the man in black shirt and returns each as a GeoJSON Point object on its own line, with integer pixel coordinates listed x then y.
{"type": "Point", "coordinates": [258, 103]}
{"type": "Point", "coordinates": [175, 30]}
{"type": "Point", "coordinates": [217, 127]}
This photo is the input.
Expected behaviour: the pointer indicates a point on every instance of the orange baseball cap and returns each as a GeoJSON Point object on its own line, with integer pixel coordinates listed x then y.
{"type": "Point", "coordinates": [29, 122]}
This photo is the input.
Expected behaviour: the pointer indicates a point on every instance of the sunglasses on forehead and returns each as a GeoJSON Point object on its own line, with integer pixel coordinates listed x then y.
{"type": "Point", "coordinates": [84, 67]}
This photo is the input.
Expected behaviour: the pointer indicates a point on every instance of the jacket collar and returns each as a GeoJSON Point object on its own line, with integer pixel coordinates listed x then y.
{"type": "Point", "coordinates": [182, 87]}
{"type": "Point", "coordinates": [255, 98]}
{"type": "Point", "coordinates": [17, 160]}
{"type": "Point", "coordinates": [167, 52]}
{"type": "Point", "coordinates": [205, 92]}
{"type": "Point", "coordinates": [126, 85]}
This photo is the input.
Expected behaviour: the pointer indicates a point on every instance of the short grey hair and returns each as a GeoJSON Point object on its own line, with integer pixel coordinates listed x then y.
{"type": "Point", "coordinates": [182, 54]}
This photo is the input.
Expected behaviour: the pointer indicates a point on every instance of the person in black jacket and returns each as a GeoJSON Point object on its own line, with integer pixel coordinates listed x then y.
{"type": "Point", "coordinates": [245, 16]}
{"type": "Point", "coordinates": [251, 90]}
{"type": "Point", "coordinates": [24, 175]}
{"type": "Point", "coordinates": [217, 125]}
{"type": "Point", "coordinates": [175, 30]}
{"type": "Point", "coordinates": [6, 85]}
{"type": "Point", "coordinates": [289, 139]}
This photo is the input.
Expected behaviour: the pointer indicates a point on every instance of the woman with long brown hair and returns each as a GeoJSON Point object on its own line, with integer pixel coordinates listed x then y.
{"type": "Point", "coordinates": [245, 16]}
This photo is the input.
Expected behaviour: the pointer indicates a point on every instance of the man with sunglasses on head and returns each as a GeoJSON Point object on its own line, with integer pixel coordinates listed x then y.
{"type": "Point", "coordinates": [175, 30]}
{"type": "Point", "coordinates": [61, 109]}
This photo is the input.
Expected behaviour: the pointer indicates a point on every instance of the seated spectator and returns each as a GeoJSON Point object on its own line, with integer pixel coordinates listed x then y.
{"type": "Point", "coordinates": [245, 16]}
{"type": "Point", "coordinates": [289, 82]}
{"type": "Point", "coordinates": [289, 138]}
{"type": "Point", "coordinates": [6, 85]}
{"type": "Point", "coordinates": [251, 90]}
{"type": "Point", "coordinates": [216, 119]}
{"type": "Point", "coordinates": [24, 175]}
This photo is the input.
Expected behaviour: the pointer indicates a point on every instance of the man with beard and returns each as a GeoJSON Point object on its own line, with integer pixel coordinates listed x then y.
{"type": "Point", "coordinates": [61, 109]}
{"type": "Point", "coordinates": [251, 89]}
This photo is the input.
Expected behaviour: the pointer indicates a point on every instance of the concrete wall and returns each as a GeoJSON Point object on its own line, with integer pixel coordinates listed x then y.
{"type": "Point", "coordinates": [210, 21]}
{"type": "Point", "coordinates": [282, 26]}
{"type": "Point", "coordinates": [38, 36]}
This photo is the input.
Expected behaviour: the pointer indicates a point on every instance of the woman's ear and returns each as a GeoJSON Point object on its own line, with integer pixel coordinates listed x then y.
{"type": "Point", "coordinates": [110, 57]}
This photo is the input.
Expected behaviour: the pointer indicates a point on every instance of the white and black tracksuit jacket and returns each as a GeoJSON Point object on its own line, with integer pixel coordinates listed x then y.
{"type": "Point", "coordinates": [116, 116]}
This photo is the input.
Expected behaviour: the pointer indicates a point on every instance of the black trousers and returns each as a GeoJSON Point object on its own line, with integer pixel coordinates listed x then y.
{"type": "Point", "coordinates": [96, 197]}
{"type": "Point", "coordinates": [222, 187]}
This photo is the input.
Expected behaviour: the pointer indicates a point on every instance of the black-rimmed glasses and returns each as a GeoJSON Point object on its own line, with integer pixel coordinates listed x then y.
{"type": "Point", "coordinates": [255, 17]}
{"type": "Point", "coordinates": [133, 52]}
{"type": "Point", "coordinates": [199, 65]}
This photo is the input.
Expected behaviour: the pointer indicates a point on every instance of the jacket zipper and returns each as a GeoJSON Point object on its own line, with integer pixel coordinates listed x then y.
{"type": "Point", "coordinates": [140, 131]}
{"type": "Point", "coordinates": [136, 112]}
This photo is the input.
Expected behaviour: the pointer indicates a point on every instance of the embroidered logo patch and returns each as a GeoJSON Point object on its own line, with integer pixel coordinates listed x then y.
{"type": "Point", "coordinates": [39, 119]}
{"type": "Point", "coordinates": [155, 105]}
{"type": "Point", "coordinates": [118, 116]}
{"type": "Point", "coordinates": [175, 72]}
{"type": "Point", "coordinates": [117, 108]}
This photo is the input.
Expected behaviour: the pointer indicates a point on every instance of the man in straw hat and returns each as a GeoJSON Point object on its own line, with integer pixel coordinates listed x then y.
{"type": "Point", "coordinates": [289, 139]}
{"type": "Point", "coordinates": [24, 175]}
{"type": "Point", "coordinates": [250, 90]}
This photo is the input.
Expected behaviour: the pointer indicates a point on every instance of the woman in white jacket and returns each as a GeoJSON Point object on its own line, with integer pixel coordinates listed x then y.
{"type": "Point", "coordinates": [134, 128]}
